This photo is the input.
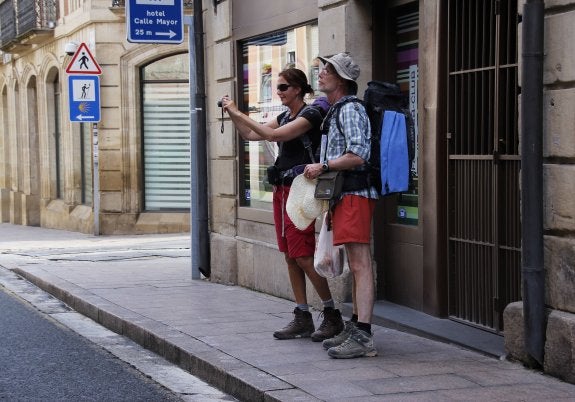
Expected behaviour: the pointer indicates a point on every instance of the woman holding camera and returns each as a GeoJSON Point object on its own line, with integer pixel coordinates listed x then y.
{"type": "Point", "coordinates": [298, 136]}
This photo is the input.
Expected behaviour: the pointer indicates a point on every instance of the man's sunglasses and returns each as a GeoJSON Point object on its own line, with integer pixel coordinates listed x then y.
{"type": "Point", "coordinates": [283, 87]}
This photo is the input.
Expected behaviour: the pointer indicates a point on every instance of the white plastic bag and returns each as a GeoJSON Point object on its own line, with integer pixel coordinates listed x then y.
{"type": "Point", "coordinates": [328, 259]}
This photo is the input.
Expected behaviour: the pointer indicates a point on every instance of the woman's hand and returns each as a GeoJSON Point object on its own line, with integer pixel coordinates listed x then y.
{"type": "Point", "coordinates": [229, 105]}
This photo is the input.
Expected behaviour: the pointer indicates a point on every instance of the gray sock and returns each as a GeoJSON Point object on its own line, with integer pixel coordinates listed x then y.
{"type": "Point", "coordinates": [328, 303]}
{"type": "Point", "coordinates": [303, 307]}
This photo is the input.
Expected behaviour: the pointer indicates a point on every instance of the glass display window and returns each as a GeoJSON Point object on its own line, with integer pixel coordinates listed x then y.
{"type": "Point", "coordinates": [263, 57]}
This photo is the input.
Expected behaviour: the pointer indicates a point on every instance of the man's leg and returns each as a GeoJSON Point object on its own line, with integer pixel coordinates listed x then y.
{"type": "Point", "coordinates": [352, 227]}
{"type": "Point", "coordinates": [351, 220]}
{"type": "Point", "coordinates": [347, 325]}
{"type": "Point", "coordinates": [359, 257]}
{"type": "Point", "coordinates": [360, 340]}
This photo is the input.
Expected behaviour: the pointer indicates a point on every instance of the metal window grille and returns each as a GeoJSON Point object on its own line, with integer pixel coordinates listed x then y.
{"type": "Point", "coordinates": [483, 161]}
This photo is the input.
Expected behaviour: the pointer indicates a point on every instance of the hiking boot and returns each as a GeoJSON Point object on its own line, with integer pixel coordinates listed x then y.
{"type": "Point", "coordinates": [358, 344]}
{"type": "Point", "coordinates": [339, 338]}
{"type": "Point", "coordinates": [301, 326]}
{"type": "Point", "coordinates": [331, 325]}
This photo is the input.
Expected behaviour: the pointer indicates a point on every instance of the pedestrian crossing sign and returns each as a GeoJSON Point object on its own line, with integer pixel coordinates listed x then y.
{"type": "Point", "coordinates": [83, 62]}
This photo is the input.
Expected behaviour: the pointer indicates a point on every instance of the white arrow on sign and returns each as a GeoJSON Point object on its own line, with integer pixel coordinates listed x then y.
{"type": "Point", "coordinates": [81, 117]}
{"type": "Point", "coordinates": [171, 34]}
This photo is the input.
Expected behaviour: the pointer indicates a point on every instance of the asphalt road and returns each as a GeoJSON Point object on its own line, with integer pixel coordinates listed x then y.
{"type": "Point", "coordinates": [42, 360]}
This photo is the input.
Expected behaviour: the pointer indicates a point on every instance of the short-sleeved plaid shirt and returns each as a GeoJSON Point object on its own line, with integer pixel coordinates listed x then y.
{"type": "Point", "coordinates": [354, 137]}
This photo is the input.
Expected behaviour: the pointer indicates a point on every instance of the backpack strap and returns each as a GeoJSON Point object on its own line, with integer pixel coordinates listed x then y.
{"type": "Point", "coordinates": [335, 110]}
{"type": "Point", "coordinates": [307, 145]}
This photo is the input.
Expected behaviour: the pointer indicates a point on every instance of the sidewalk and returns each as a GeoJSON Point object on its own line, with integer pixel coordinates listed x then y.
{"type": "Point", "coordinates": [140, 286]}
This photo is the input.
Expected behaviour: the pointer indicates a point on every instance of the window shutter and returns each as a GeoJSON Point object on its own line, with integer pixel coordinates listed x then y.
{"type": "Point", "coordinates": [166, 127]}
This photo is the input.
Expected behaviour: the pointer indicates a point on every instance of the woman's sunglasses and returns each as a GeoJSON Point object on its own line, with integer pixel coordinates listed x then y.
{"type": "Point", "coordinates": [283, 87]}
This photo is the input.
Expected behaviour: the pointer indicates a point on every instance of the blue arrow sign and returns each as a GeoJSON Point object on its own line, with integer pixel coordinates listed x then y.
{"type": "Point", "coordinates": [84, 97]}
{"type": "Point", "coordinates": [155, 21]}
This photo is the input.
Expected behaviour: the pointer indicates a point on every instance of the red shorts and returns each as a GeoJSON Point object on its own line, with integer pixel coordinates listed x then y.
{"type": "Point", "coordinates": [296, 243]}
{"type": "Point", "coordinates": [351, 220]}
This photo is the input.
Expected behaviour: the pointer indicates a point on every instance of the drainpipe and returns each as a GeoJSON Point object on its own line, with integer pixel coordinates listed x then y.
{"type": "Point", "coordinates": [202, 156]}
{"type": "Point", "coordinates": [200, 240]}
{"type": "Point", "coordinates": [532, 261]}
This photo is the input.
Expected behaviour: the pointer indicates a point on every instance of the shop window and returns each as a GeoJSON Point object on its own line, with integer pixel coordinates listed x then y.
{"type": "Point", "coordinates": [166, 134]}
{"type": "Point", "coordinates": [396, 60]}
{"type": "Point", "coordinates": [263, 58]}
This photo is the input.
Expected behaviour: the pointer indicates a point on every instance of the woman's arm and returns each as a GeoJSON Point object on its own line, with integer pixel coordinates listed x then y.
{"type": "Point", "coordinates": [251, 130]}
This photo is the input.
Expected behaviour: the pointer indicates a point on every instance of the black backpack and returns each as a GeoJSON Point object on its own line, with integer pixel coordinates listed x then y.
{"type": "Point", "coordinates": [378, 98]}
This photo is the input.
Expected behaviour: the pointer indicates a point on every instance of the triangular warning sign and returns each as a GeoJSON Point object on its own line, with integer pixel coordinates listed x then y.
{"type": "Point", "coordinates": [83, 62]}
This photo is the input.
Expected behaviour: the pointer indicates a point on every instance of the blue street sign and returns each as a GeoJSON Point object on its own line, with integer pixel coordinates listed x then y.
{"type": "Point", "coordinates": [84, 96]}
{"type": "Point", "coordinates": [155, 21]}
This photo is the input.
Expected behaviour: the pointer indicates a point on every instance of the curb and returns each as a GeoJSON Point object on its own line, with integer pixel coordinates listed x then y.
{"type": "Point", "coordinates": [233, 376]}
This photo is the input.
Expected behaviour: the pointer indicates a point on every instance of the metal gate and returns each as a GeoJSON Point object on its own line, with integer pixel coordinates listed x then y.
{"type": "Point", "coordinates": [483, 161]}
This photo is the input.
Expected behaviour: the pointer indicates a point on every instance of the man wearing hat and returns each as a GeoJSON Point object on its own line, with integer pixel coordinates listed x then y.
{"type": "Point", "coordinates": [347, 150]}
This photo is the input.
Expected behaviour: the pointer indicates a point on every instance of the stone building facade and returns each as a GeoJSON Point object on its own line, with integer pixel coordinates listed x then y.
{"type": "Point", "coordinates": [449, 248]}
{"type": "Point", "coordinates": [42, 177]}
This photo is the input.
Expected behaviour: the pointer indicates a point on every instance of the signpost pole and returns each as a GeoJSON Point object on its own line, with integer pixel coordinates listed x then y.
{"type": "Point", "coordinates": [96, 179]}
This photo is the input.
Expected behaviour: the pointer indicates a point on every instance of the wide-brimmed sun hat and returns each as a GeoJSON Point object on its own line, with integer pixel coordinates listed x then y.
{"type": "Point", "coordinates": [301, 206]}
{"type": "Point", "coordinates": [344, 65]}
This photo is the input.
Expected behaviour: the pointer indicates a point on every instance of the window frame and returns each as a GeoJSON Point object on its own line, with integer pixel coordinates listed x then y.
{"type": "Point", "coordinates": [245, 211]}
{"type": "Point", "coordinates": [142, 82]}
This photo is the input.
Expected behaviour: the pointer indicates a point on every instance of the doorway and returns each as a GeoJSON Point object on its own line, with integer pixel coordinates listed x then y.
{"type": "Point", "coordinates": [398, 234]}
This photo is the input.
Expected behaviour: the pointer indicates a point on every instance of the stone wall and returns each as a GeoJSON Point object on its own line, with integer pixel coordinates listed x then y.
{"type": "Point", "coordinates": [558, 190]}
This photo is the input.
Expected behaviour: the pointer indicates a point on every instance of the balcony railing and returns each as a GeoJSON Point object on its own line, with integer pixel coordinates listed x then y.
{"type": "Point", "coordinates": [26, 22]}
